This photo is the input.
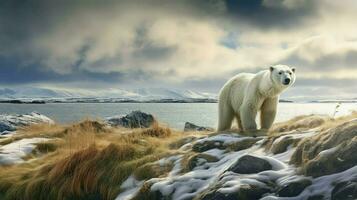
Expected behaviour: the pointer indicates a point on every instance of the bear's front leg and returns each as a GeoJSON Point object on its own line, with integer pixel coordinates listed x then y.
{"type": "Point", "coordinates": [268, 112]}
{"type": "Point", "coordinates": [248, 113]}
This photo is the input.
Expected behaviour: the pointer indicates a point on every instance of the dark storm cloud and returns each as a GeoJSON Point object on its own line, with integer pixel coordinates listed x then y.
{"type": "Point", "coordinates": [14, 73]}
{"type": "Point", "coordinates": [275, 14]}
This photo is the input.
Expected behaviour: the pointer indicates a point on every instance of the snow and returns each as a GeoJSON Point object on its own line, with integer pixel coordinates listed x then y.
{"type": "Point", "coordinates": [41, 93]}
{"type": "Point", "coordinates": [225, 139]}
{"type": "Point", "coordinates": [14, 152]}
{"type": "Point", "coordinates": [131, 187]}
{"type": "Point", "coordinates": [321, 186]}
{"type": "Point", "coordinates": [180, 186]}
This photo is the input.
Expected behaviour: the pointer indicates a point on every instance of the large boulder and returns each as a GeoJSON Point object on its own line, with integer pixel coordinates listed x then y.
{"type": "Point", "coordinates": [135, 119]}
{"type": "Point", "coordinates": [13, 122]}
{"type": "Point", "coordinates": [249, 165]}
{"type": "Point", "coordinates": [193, 127]}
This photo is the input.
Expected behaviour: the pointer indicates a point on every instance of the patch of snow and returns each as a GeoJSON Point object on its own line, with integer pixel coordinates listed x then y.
{"type": "Point", "coordinates": [130, 186]}
{"type": "Point", "coordinates": [329, 151]}
{"type": "Point", "coordinates": [14, 152]}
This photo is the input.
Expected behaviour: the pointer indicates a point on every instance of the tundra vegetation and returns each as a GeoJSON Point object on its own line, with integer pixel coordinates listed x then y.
{"type": "Point", "coordinates": [93, 160]}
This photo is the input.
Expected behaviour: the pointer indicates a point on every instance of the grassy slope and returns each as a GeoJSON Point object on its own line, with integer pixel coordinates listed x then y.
{"type": "Point", "coordinates": [85, 161]}
{"type": "Point", "coordinates": [90, 161]}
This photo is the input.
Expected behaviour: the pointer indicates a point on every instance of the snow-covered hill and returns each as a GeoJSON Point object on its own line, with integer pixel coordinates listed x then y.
{"type": "Point", "coordinates": [142, 94]}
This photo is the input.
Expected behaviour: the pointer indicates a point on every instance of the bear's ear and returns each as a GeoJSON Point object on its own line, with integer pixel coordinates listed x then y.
{"type": "Point", "coordinates": [293, 69]}
{"type": "Point", "coordinates": [271, 68]}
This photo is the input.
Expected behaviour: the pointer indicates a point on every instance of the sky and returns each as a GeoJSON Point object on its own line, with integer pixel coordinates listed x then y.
{"type": "Point", "coordinates": [186, 44]}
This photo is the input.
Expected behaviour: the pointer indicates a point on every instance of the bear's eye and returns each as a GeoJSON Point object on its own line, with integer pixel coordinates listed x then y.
{"type": "Point", "coordinates": [280, 73]}
{"type": "Point", "coordinates": [290, 73]}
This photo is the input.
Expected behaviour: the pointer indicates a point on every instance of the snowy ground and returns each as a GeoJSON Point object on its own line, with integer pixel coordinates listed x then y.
{"type": "Point", "coordinates": [15, 152]}
{"type": "Point", "coordinates": [183, 186]}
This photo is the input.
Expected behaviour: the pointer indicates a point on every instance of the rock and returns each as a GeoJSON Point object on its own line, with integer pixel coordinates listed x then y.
{"type": "Point", "coordinates": [207, 145]}
{"type": "Point", "coordinates": [316, 197]}
{"type": "Point", "coordinates": [245, 192]}
{"type": "Point", "coordinates": [243, 144]}
{"type": "Point", "coordinates": [329, 151]}
{"type": "Point", "coordinates": [192, 127]}
{"type": "Point", "coordinates": [199, 159]}
{"type": "Point", "coordinates": [294, 188]}
{"type": "Point", "coordinates": [135, 119]}
{"type": "Point", "coordinates": [337, 160]}
{"type": "Point", "coordinates": [282, 143]}
{"type": "Point", "coordinates": [250, 164]}
{"type": "Point", "coordinates": [13, 122]}
{"type": "Point", "coordinates": [344, 191]}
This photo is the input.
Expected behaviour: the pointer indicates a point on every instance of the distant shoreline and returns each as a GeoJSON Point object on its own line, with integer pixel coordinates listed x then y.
{"type": "Point", "coordinates": [104, 101]}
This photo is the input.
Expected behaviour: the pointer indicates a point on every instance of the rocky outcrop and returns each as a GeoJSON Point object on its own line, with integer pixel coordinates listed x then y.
{"type": "Point", "coordinates": [329, 151]}
{"type": "Point", "coordinates": [193, 127]}
{"type": "Point", "coordinates": [10, 123]}
{"type": "Point", "coordinates": [135, 119]}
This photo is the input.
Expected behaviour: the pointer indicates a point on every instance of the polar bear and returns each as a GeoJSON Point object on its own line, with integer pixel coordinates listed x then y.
{"type": "Point", "coordinates": [246, 94]}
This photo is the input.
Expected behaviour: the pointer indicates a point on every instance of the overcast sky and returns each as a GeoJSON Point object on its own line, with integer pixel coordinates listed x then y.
{"type": "Point", "coordinates": [186, 44]}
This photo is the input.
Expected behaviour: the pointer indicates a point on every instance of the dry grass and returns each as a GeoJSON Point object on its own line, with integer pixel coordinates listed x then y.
{"type": "Point", "coordinates": [85, 161]}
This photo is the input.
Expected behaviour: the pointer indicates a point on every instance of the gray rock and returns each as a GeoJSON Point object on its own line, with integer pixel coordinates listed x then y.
{"type": "Point", "coordinates": [135, 119]}
{"type": "Point", "coordinates": [294, 188]}
{"type": "Point", "coordinates": [200, 159]}
{"type": "Point", "coordinates": [10, 123]}
{"type": "Point", "coordinates": [207, 145]}
{"type": "Point", "coordinates": [245, 192]}
{"type": "Point", "coordinates": [249, 165]}
{"type": "Point", "coordinates": [344, 191]}
{"type": "Point", "coordinates": [316, 197]}
{"type": "Point", "coordinates": [193, 127]}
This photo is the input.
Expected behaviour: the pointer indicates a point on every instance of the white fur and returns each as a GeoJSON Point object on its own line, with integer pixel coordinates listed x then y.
{"type": "Point", "coordinates": [244, 95]}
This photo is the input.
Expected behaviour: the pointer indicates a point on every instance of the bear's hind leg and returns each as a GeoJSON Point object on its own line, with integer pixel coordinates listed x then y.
{"type": "Point", "coordinates": [225, 118]}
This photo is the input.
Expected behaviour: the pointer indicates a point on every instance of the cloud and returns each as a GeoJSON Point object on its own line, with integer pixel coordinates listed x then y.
{"type": "Point", "coordinates": [270, 14]}
{"type": "Point", "coordinates": [189, 44]}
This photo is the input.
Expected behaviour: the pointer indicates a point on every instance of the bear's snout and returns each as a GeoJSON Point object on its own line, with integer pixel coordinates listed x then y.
{"type": "Point", "coordinates": [287, 81]}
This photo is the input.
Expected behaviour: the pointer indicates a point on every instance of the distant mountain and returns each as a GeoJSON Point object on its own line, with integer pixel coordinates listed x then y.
{"type": "Point", "coordinates": [142, 94]}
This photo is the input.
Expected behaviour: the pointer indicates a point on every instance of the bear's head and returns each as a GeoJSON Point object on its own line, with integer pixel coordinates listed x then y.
{"type": "Point", "coordinates": [283, 76]}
